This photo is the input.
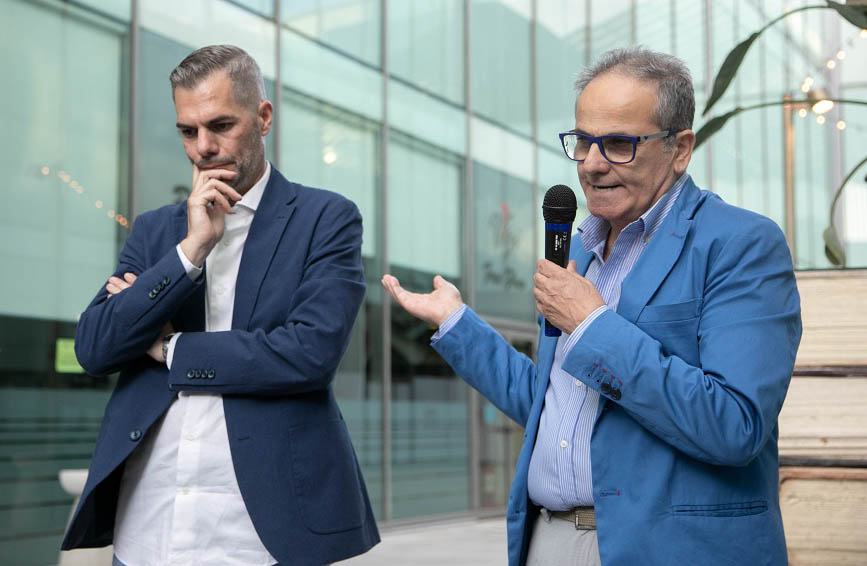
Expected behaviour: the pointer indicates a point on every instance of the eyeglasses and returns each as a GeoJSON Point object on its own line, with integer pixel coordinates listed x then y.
{"type": "Point", "coordinates": [617, 149]}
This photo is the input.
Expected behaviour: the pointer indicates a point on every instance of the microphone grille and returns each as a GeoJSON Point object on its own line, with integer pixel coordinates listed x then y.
{"type": "Point", "coordinates": [559, 205]}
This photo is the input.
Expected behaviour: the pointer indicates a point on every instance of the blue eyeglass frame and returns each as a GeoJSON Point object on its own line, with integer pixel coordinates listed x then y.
{"type": "Point", "coordinates": [599, 139]}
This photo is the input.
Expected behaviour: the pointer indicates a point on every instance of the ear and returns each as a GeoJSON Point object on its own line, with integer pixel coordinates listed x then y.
{"type": "Point", "coordinates": [264, 115]}
{"type": "Point", "coordinates": [683, 146]}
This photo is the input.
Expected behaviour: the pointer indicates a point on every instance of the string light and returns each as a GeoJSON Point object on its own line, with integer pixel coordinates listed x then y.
{"type": "Point", "coordinates": [45, 170]}
{"type": "Point", "coordinates": [841, 125]}
{"type": "Point", "coordinates": [820, 120]}
{"type": "Point", "coordinates": [802, 112]}
{"type": "Point", "coordinates": [863, 34]}
{"type": "Point", "coordinates": [841, 55]}
{"type": "Point", "coordinates": [831, 64]}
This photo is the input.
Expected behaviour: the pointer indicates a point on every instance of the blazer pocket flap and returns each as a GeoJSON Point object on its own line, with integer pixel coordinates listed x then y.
{"type": "Point", "coordinates": [721, 509]}
{"type": "Point", "coordinates": [670, 313]}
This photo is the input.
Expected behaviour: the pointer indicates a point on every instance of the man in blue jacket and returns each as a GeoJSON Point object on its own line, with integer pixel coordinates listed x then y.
{"type": "Point", "coordinates": [651, 423]}
{"type": "Point", "coordinates": [227, 317]}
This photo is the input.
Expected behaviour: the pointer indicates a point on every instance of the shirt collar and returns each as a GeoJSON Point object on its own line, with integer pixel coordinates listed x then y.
{"type": "Point", "coordinates": [253, 197]}
{"type": "Point", "coordinates": [594, 230]}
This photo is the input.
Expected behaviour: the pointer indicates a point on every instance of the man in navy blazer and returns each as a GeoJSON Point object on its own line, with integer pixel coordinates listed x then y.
{"type": "Point", "coordinates": [651, 423]}
{"type": "Point", "coordinates": [227, 317]}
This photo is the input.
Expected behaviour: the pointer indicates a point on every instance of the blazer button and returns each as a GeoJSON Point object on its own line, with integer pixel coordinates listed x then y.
{"type": "Point", "coordinates": [211, 374]}
{"type": "Point", "coordinates": [152, 294]}
{"type": "Point", "coordinates": [191, 374]}
{"type": "Point", "coordinates": [615, 394]}
{"type": "Point", "coordinates": [198, 373]}
{"type": "Point", "coordinates": [606, 389]}
{"type": "Point", "coordinates": [135, 435]}
{"type": "Point", "coordinates": [166, 281]}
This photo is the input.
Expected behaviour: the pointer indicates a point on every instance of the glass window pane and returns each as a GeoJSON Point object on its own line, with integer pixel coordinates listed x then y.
{"type": "Point", "coordinates": [561, 30]}
{"type": "Point", "coordinates": [350, 26]}
{"type": "Point", "coordinates": [430, 450]}
{"type": "Point", "coordinates": [610, 25]}
{"type": "Point", "coordinates": [63, 152]}
{"type": "Point", "coordinates": [505, 259]}
{"type": "Point", "coordinates": [500, 62]}
{"type": "Point", "coordinates": [426, 45]}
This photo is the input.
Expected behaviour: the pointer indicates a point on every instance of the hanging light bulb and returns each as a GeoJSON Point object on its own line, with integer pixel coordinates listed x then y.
{"type": "Point", "coordinates": [841, 125]}
{"type": "Point", "coordinates": [841, 55]}
{"type": "Point", "coordinates": [802, 112]}
{"type": "Point", "coordinates": [820, 119]}
{"type": "Point", "coordinates": [831, 64]}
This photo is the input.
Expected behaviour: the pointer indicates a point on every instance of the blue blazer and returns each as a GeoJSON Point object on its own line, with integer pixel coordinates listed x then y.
{"type": "Point", "coordinates": [692, 370]}
{"type": "Point", "coordinates": [299, 288]}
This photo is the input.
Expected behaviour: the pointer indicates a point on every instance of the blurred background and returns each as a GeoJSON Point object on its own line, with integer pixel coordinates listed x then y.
{"type": "Point", "coordinates": [439, 118]}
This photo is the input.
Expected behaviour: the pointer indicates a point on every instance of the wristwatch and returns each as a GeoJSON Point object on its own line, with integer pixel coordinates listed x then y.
{"type": "Point", "coordinates": [166, 339]}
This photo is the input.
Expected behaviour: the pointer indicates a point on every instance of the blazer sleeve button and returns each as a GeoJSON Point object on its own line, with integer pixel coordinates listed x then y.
{"type": "Point", "coordinates": [615, 394]}
{"type": "Point", "coordinates": [606, 388]}
{"type": "Point", "coordinates": [166, 280]}
{"type": "Point", "coordinates": [152, 294]}
{"type": "Point", "coordinates": [191, 374]}
{"type": "Point", "coordinates": [211, 374]}
{"type": "Point", "coordinates": [135, 435]}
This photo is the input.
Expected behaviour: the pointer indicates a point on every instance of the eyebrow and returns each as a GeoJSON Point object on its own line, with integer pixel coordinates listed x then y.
{"type": "Point", "coordinates": [211, 122]}
{"type": "Point", "coordinates": [582, 132]}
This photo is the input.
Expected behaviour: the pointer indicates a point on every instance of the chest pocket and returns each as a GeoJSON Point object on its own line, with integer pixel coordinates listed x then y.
{"type": "Point", "coordinates": [675, 326]}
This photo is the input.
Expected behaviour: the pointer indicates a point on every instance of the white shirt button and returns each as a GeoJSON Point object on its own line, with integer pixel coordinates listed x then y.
{"type": "Point", "coordinates": [191, 435]}
{"type": "Point", "coordinates": [185, 490]}
{"type": "Point", "coordinates": [579, 383]}
{"type": "Point", "coordinates": [563, 444]}
{"type": "Point", "coordinates": [227, 242]}
{"type": "Point", "coordinates": [220, 290]}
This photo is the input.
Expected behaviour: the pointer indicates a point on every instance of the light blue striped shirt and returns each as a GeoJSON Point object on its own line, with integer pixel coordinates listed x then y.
{"type": "Point", "coordinates": [560, 475]}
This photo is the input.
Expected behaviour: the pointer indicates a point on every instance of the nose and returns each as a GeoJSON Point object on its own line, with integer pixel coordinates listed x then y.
{"type": "Point", "coordinates": [206, 143]}
{"type": "Point", "coordinates": [595, 162]}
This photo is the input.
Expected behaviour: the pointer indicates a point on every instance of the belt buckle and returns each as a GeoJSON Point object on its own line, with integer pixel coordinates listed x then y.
{"type": "Point", "coordinates": [584, 520]}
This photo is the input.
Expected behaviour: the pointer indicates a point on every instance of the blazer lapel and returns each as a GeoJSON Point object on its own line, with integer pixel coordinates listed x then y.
{"type": "Point", "coordinates": [273, 213]}
{"type": "Point", "coordinates": [662, 252]}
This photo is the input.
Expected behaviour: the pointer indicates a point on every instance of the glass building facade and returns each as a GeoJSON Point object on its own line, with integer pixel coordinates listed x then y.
{"type": "Point", "coordinates": [439, 118]}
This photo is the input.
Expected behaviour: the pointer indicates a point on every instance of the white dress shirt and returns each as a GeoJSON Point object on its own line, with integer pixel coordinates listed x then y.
{"type": "Point", "coordinates": [179, 501]}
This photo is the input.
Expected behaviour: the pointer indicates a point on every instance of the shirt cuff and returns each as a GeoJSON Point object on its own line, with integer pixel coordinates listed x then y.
{"type": "Point", "coordinates": [170, 352]}
{"type": "Point", "coordinates": [582, 328]}
{"type": "Point", "coordinates": [193, 272]}
{"type": "Point", "coordinates": [449, 323]}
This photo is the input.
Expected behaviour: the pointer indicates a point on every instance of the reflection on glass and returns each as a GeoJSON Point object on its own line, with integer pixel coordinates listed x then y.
{"type": "Point", "coordinates": [430, 449]}
{"type": "Point", "coordinates": [61, 158]}
{"type": "Point", "coordinates": [500, 81]}
{"type": "Point", "coordinates": [503, 244]}
{"type": "Point", "coordinates": [351, 26]}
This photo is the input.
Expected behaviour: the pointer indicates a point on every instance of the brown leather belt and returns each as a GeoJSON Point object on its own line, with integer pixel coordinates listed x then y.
{"type": "Point", "coordinates": [583, 517]}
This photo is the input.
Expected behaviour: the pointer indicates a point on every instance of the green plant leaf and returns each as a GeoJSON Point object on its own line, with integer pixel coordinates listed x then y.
{"type": "Point", "coordinates": [729, 67]}
{"type": "Point", "coordinates": [855, 15]}
{"type": "Point", "coordinates": [833, 248]}
{"type": "Point", "coordinates": [713, 125]}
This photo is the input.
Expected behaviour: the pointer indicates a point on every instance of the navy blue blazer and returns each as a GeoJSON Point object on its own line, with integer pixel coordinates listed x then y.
{"type": "Point", "coordinates": [692, 370]}
{"type": "Point", "coordinates": [298, 291]}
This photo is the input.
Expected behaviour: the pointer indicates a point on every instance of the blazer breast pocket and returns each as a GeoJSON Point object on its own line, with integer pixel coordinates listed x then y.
{"type": "Point", "coordinates": [670, 313]}
{"type": "Point", "coordinates": [675, 326]}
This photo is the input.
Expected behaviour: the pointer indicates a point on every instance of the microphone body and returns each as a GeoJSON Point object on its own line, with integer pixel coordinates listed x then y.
{"type": "Point", "coordinates": [558, 209]}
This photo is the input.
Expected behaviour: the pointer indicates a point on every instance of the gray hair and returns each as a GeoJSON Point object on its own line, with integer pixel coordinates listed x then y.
{"type": "Point", "coordinates": [675, 104]}
{"type": "Point", "coordinates": [247, 82]}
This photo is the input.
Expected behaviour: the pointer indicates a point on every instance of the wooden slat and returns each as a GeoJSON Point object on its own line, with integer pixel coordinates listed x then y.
{"type": "Point", "coordinates": [834, 315]}
{"type": "Point", "coordinates": [824, 515]}
{"type": "Point", "coordinates": [825, 417]}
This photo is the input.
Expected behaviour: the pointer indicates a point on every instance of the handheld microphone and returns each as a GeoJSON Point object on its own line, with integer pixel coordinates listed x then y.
{"type": "Point", "coordinates": [558, 210]}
